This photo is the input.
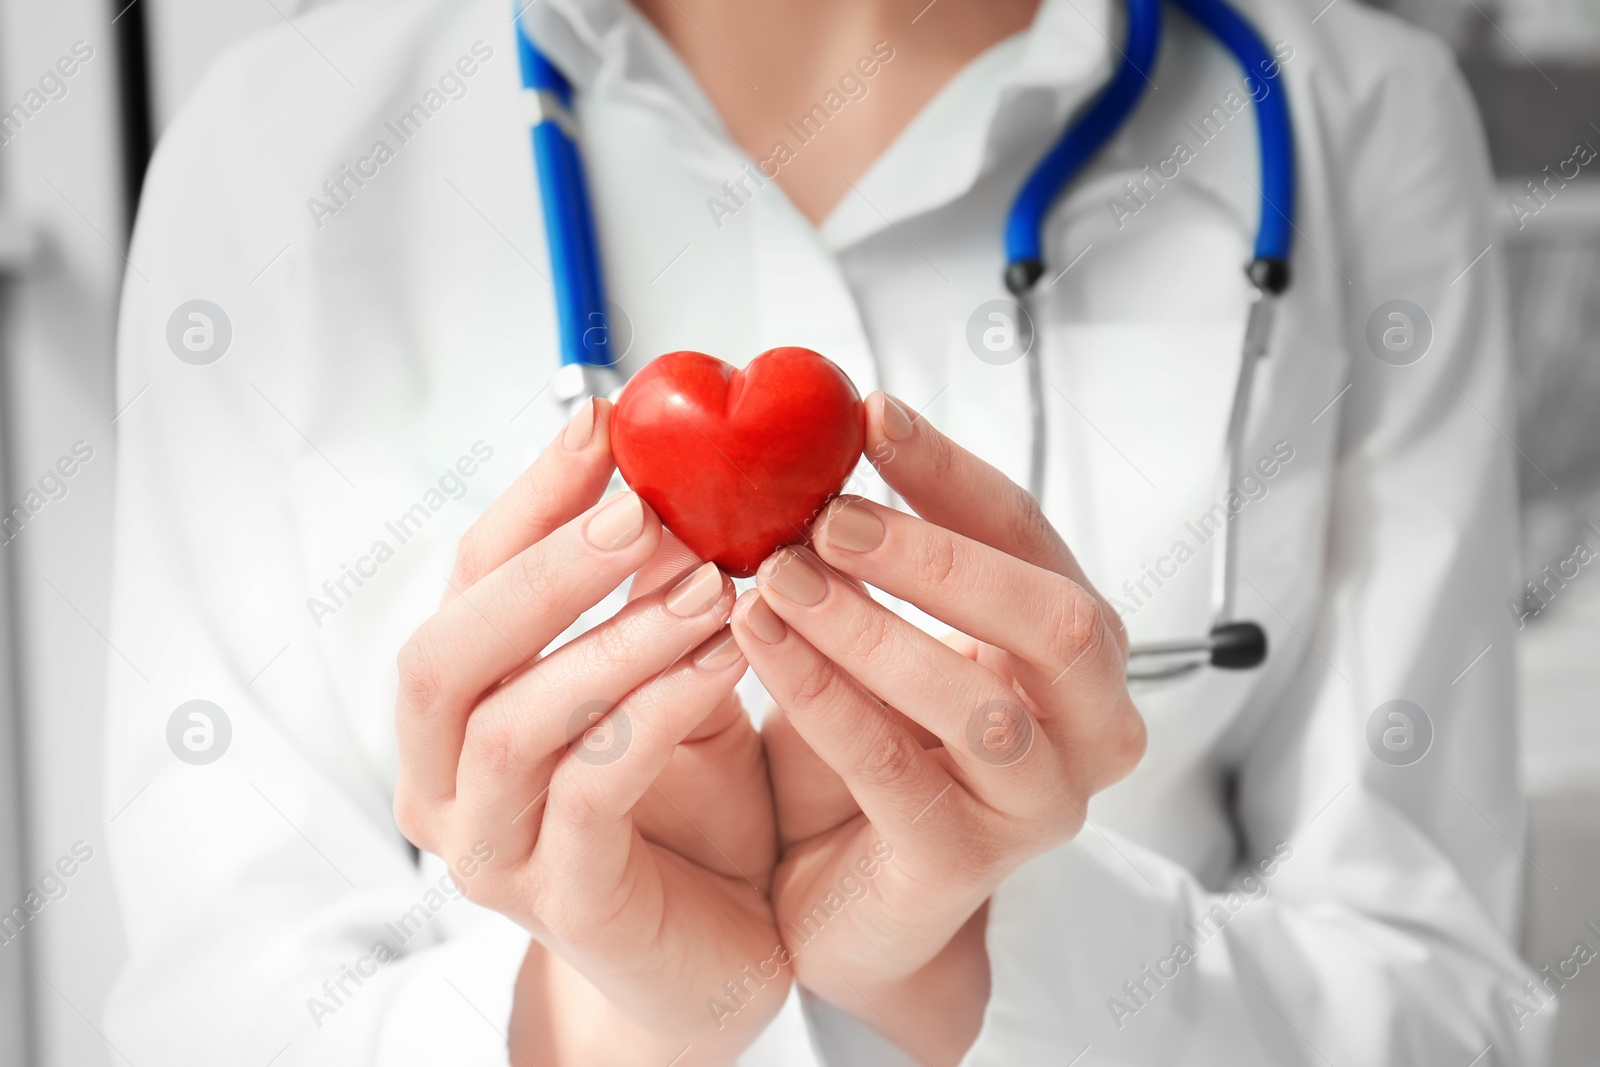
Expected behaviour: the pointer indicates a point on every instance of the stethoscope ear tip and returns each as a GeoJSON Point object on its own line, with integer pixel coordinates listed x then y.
{"type": "Point", "coordinates": [1238, 646]}
{"type": "Point", "coordinates": [1022, 274]}
{"type": "Point", "coordinates": [1269, 274]}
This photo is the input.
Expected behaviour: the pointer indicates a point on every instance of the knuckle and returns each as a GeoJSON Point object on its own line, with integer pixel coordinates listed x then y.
{"type": "Point", "coordinates": [576, 806]}
{"type": "Point", "coordinates": [891, 756]}
{"type": "Point", "coordinates": [534, 498]}
{"type": "Point", "coordinates": [815, 682]}
{"type": "Point", "coordinates": [420, 687]}
{"type": "Point", "coordinates": [1066, 814]}
{"type": "Point", "coordinates": [530, 576]}
{"type": "Point", "coordinates": [982, 853]}
{"type": "Point", "coordinates": [937, 560]}
{"type": "Point", "coordinates": [1076, 626]}
{"type": "Point", "coordinates": [613, 645]}
{"type": "Point", "coordinates": [872, 637]}
{"type": "Point", "coordinates": [492, 741]}
{"type": "Point", "coordinates": [540, 890]}
{"type": "Point", "coordinates": [469, 565]}
{"type": "Point", "coordinates": [1026, 524]}
{"type": "Point", "coordinates": [1045, 831]}
{"type": "Point", "coordinates": [1130, 739]}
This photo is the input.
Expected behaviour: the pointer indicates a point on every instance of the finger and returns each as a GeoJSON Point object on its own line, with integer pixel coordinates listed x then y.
{"type": "Point", "coordinates": [809, 795]}
{"type": "Point", "coordinates": [989, 734]}
{"type": "Point", "coordinates": [672, 558]}
{"type": "Point", "coordinates": [712, 803]}
{"type": "Point", "coordinates": [1059, 631]}
{"type": "Point", "coordinates": [950, 487]}
{"type": "Point", "coordinates": [505, 620]}
{"type": "Point", "coordinates": [567, 478]}
{"type": "Point", "coordinates": [516, 736]}
{"type": "Point", "coordinates": [965, 644]}
{"type": "Point", "coordinates": [596, 786]}
{"type": "Point", "coordinates": [888, 773]}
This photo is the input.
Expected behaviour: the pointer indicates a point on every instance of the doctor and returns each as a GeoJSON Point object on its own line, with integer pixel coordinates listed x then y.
{"type": "Point", "coordinates": [335, 399]}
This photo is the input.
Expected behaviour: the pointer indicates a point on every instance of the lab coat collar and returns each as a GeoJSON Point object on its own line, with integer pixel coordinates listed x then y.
{"type": "Point", "coordinates": [1033, 83]}
{"type": "Point", "coordinates": [609, 45]}
{"type": "Point", "coordinates": [575, 35]}
{"type": "Point", "coordinates": [1029, 85]}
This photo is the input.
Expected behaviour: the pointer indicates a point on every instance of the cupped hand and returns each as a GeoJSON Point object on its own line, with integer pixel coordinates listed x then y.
{"type": "Point", "coordinates": [913, 774]}
{"type": "Point", "coordinates": [608, 794]}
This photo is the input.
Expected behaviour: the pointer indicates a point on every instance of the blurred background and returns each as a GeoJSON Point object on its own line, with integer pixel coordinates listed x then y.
{"type": "Point", "coordinates": [70, 174]}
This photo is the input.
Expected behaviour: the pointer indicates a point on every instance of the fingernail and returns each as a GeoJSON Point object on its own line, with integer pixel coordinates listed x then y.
{"type": "Point", "coordinates": [764, 622]}
{"type": "Point", "coordinates": [696, 593]}
{"type": "Point", "coordinates": [580, 430]}
{"type": "Point", "coordinates": [617, 524]}
{"type": "Point", "coordinates": [719, 652]}
{"type": "Point", "coordinates": [897, 424]}
{"type": "Point", "coordinates": [793, 576]}
{"type": "Point", "coordinates": [852, 527]}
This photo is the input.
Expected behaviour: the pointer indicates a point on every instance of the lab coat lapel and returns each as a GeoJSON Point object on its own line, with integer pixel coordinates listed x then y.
{"type": "Point", "coordinates": [1032, 82]}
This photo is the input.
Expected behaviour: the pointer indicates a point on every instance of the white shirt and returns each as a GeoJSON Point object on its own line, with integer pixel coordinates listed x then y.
{"type": "Point", "coordinates": [387, 377]}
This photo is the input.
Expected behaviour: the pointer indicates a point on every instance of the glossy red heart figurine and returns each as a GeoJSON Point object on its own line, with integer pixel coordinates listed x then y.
{"type": "Point", "coordinates": [738, 462]}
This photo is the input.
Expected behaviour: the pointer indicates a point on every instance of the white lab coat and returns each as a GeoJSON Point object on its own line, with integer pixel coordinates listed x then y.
{"type": "Point", "coordinates": [392, 358]}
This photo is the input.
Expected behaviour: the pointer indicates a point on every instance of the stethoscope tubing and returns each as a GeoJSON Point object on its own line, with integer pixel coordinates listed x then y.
{"type": "Point", "coordinates": [584, 328]}
{"type": "Point", "coordinates": [1111, 108]}
{"type": "Point", "coordinates": [1230, 643]}
{"type": "Point", "coordinates": [1274, 129]}
{"type": "Point", "coordinates": [1082, 141]}
{"type": "Point", "coordinates": [587, 361]}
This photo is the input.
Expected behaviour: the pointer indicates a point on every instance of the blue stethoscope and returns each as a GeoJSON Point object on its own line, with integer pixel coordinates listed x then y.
{"type": "Point", "coordinates": [588, 364]}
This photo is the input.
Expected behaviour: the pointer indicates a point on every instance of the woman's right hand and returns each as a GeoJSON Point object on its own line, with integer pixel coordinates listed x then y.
{"type": "Point", "coordinates": [640, 857]}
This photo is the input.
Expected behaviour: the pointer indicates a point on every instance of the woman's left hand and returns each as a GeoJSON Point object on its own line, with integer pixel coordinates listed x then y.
{"type": "Point", "coordinates": [912, 775]}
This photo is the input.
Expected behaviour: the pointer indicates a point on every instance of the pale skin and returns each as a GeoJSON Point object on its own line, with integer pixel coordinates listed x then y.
{"type": "Point", "coordinates": [653, 871]}
{"type": "Point", "coordinates": [970, 755]}
{"type": "Point", "coordinates": [641, 868]}
{"type": "Point", "coordinates": [767, 63]}
{"type": "Point", "coordinates": [648, 872]}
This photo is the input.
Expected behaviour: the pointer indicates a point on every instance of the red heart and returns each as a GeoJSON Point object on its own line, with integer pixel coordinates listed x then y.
{"type": "Point", "coordinates": [738, 462]}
